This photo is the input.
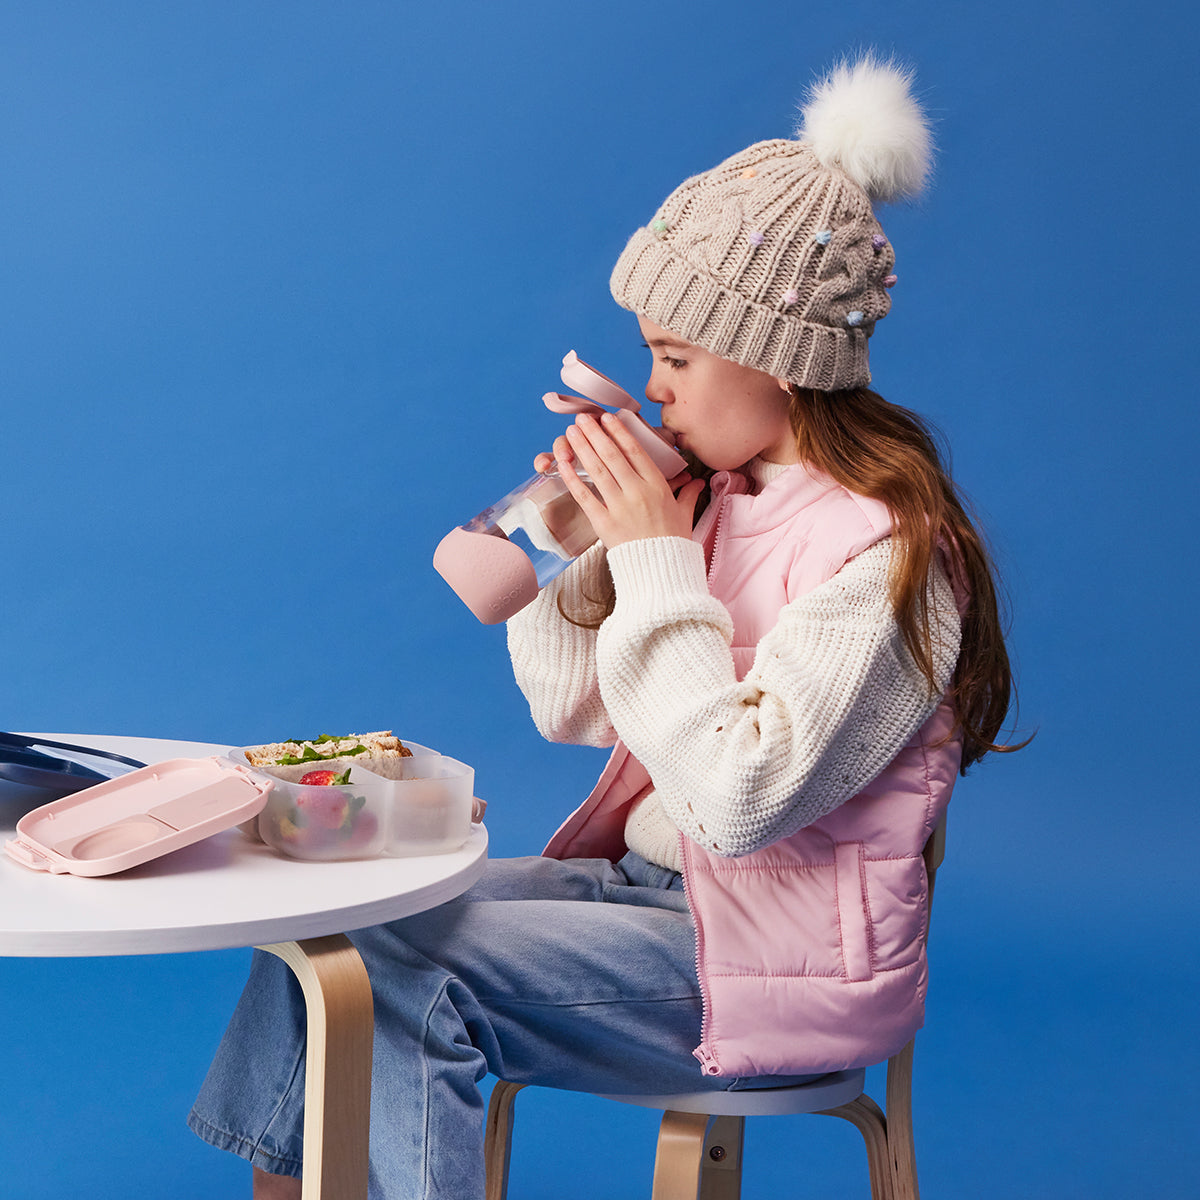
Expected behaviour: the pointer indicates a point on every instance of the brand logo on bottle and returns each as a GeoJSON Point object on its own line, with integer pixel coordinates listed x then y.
{"type": "Point", "coordinates": [502, 601]}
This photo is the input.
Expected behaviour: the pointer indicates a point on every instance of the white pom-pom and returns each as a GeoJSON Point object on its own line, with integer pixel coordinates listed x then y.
{"type": "Point", "coordinates": [862, 119]}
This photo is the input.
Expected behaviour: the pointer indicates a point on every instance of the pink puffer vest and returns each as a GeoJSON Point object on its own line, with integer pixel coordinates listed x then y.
{"type": "Point", "coordinates": [811, 951]}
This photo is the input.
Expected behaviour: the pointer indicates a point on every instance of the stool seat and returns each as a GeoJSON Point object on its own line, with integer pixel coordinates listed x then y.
{"type": "Point", "coordinates": [827, 1091]}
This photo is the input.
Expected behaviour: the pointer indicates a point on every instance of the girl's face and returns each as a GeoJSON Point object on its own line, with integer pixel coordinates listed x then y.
{"type": "Point", "coordinates": [721, 412]}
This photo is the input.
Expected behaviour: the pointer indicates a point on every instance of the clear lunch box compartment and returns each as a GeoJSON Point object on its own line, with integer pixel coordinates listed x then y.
{"type": "Point", "coordinates": [419, 804]}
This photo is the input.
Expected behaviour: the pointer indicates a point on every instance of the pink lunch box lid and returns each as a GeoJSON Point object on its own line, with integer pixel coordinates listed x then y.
{"type": "Point", "coordinates": [129, 820]}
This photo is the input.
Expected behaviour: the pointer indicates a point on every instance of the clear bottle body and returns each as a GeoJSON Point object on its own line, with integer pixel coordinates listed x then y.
{"type": "Point", "coordinates": [543, 519]}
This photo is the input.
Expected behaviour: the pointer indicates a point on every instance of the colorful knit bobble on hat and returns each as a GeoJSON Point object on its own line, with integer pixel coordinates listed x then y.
{"type": "Point", "coordinates": [774, 258]}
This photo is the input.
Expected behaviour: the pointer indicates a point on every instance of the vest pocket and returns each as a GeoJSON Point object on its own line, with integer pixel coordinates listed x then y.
{"type": "Point", "coordinates": [852, 909]}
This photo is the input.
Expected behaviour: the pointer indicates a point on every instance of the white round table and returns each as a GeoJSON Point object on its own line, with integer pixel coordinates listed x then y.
{"type": "Point", "coordinates": [229, 891]}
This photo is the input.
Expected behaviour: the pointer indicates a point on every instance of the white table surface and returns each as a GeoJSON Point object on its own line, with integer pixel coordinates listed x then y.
{"type": "Point", "coordinates": [223, 892]}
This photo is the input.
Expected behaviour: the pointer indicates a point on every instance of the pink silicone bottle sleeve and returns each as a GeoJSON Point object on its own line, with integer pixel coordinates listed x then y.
{"type": "Point", "coordinates": [492, 577]}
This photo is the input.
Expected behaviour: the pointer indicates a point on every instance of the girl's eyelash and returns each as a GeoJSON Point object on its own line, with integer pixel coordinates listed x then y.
{"type": "Point", "coordinates": [674, 363]}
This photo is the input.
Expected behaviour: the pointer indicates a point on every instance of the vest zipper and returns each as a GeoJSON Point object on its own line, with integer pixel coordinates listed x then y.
{"type": "Point", "coordinates": [722, 507]}
{"type": "Point", "coordinates": [702, 1053]}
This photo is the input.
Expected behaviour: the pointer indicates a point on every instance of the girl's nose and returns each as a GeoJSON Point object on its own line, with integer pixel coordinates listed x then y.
{"type": "Point", "coordinates": [656, 393]}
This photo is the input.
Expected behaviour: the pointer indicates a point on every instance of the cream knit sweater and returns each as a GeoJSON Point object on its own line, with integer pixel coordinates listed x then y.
{"type": "Point", "coordinates": [831, 698]}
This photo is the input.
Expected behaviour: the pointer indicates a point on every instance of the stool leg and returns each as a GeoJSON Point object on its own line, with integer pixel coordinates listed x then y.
{"type": "Point", "coordinates": [902, 1154]}
{"type": "Point", "coordinates": [497, 1142]}
{"type": "Point", "coordinates": [721, 1161]}
{"type": "Point", "coordinates": [680, 1156]}
{"type": "Point", "coordinates": [699, 1157]}
{"type": "Point", "coordinates": [337, 1092]}
{"type": "Point", "coordinates": [867, 1117]}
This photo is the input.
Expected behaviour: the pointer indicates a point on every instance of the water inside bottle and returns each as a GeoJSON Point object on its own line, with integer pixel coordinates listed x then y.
{"type": "Point", "coordinates": [542, 519]}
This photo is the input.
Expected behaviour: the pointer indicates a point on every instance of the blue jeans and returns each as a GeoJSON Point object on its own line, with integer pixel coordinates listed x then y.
{"type": "Point", "coordinates": [578, 975]}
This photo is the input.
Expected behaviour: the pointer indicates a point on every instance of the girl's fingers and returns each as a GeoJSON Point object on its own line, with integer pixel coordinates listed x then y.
{"type": "Point", "coordinates": [604, 448]}
{"type": "Point", "coordinates": [689, 494]}
{"type": "Point", "coordinates": [562, 449]}
{"type": "Point", "coordinates": [582, 494]}
{"type": "Point", "coordinates": [632, 449]}
{"type": "Point", "coordinates": [587, 459]}
{"type": "Point", "coordinates": [626, 497]}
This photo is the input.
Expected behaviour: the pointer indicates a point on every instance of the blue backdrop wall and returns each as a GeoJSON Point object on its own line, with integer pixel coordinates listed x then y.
{"type": "Point", "coordinates": [282, 286]}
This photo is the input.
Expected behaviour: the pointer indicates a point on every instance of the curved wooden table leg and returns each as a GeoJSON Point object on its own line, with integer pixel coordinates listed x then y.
{"type": "Point", "coordinates": [337, 1090]}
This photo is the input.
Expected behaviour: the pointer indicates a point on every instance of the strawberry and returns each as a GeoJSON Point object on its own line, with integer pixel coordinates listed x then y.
{"type": "Point", "coordinates": [363, 830]}
{"type": "Point", "coordinates": [326, 778]}
{"type": "Point", "coordinates": [326, 808]}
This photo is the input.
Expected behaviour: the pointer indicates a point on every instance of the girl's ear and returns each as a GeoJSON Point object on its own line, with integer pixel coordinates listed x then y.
{"type": "Point", "coordinates": [784, 386]}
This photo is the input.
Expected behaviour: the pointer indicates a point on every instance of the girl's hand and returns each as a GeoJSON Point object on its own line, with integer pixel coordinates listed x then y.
{"type": "Point", "coordinates": [634, 500]}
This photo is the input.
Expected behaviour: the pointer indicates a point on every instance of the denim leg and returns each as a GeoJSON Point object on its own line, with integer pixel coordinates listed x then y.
{"type": "Point", "coordinates": [572, 975]}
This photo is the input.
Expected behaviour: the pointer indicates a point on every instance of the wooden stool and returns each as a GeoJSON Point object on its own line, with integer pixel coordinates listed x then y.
{"type": "Point", "coordinates": [700, 1138]}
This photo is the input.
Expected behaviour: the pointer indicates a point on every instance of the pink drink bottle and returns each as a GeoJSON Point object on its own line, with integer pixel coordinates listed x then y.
{"type": "Point", "coordinates": [499, 560]}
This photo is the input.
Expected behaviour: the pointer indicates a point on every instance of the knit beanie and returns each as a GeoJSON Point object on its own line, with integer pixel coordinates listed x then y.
{"type": "Point", "coordinates": [774, 257]}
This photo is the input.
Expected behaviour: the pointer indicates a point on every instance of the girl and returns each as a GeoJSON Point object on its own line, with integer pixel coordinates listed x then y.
{"type": "Point", "coordinates": [790, 680]}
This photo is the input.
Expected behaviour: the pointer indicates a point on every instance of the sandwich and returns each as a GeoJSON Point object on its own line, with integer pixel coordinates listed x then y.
{"type": "Point", "coordinates": [296, 752]}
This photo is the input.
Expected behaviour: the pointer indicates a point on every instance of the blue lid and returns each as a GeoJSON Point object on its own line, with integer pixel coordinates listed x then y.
{"type": "Point", "coordinates": [21, 761]}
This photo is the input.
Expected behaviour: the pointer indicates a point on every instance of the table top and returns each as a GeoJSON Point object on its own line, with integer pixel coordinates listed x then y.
{"type": "Point", "coordinates": [223, 892]}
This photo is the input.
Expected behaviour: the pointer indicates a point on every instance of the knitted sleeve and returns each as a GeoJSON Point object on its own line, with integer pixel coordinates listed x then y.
{"type": "Point", "coordinates": [832, 697]}
{"type": "Point", "coordinates": [554, 661]}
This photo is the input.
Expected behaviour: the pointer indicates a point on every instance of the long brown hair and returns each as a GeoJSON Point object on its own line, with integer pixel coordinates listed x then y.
{"type": "Point", "coordinates": [888, 453]}
{"type": "Point", "coordinates": [880, 450]}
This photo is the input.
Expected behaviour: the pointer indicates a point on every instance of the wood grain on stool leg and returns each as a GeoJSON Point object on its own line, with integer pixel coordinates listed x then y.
{"type": "Point", "coordinates": [867, 1117]}
{"type": "Point", "coordinates": [337, 1091]}
{"type": "Point", "coordinates": [902, 1153]}
{"type": "Point", "coordinates": [497, 1142]}
{"type": "Point", "coordinates": [677, 1164]}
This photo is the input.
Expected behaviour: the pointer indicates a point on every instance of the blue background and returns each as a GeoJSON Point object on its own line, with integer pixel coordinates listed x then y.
{"type": "Point", "coordinates": [282, 284]}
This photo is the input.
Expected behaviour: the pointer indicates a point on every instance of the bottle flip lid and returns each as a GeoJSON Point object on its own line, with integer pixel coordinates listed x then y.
{"type": "Point", "coordinates": [578, 375]}
{"type": "Point", "coordinates": [137, 817]}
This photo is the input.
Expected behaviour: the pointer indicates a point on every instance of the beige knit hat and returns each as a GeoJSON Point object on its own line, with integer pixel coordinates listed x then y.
{"type": "Point", "coordinates": [774, 258]}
